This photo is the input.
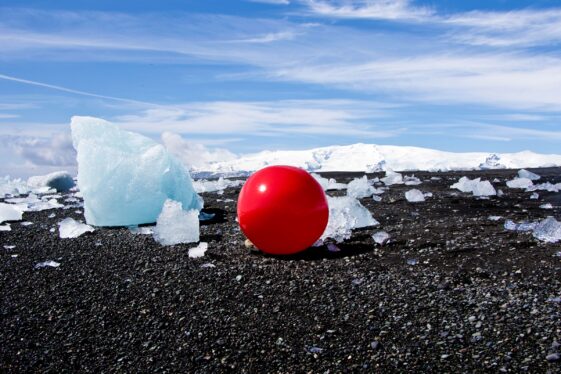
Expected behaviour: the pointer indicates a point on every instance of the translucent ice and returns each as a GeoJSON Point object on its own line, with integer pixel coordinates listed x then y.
{"type": "Point", "coordinates": [546, 206]}
{"type": "Point", "coordinates": [475, 186]}
{"type": "Point", "coordinates": [70, 228]}
{"type": "Point", "coordinates": [534, 196]}
{"type": "Point", "coordinates": [328, 184]}
{"type": "Point", "coordinates": [414, 196]}
{"type": "Point", "coordinates": [49, 263]}
{"type": "Point", "coordinates": [381, 237]}
{"type": "Point", "coordinates": [146, 230]}
{"type": "Point", "coordinates": [125, 177]}
{"type": "Point", "coordinates": [548, 230]}
{"type": "Point", "coordinates": [60, 181]}
{"type": "Point", "coordinates": [519, 183]}
{"type": "Point", "coordinates": [523, 173]}
{"type": "Point", "coordinates": [5, 227]}
{"type": "Point", "coordinates": [219, 185]}
{"type": "Point", "coordinates": [359, 188]}
{"type": "Point", "coordinates": [176, 225]}
{"type": "Point", "coordinates": [522, 226]}
{"type": "Point", "coordinates": [9, 212]}
{"type": "Point", "coordinates": [411, 180]}
{"type": "Point", "coordinates": [392, 178]}
{"type": "Point", "coordinates": [12, 187]}
{"type": "Point", "coordinates": [547, 186]}
{"type": "Point", "coordinates": [345, 214]}
{"type": "Point", "coordinates": [198, 251]}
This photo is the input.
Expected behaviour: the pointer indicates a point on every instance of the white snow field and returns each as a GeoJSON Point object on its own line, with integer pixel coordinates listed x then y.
{"type": "Point", "coordinates": [125, 177]}
{"type": "Point", "coordinates": [372, 157]}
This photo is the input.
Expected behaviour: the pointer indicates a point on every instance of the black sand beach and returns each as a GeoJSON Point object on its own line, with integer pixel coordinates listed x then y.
{"type": "Point", "coordinates": [478, 299]}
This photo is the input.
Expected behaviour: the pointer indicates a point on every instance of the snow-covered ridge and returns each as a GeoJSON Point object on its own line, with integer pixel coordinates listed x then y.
{"type": "Point", "coordinates": [371, 157]}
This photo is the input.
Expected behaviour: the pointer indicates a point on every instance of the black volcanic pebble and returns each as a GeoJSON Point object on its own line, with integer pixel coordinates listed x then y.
{"type": "Point", "coordinates": [477, 299]}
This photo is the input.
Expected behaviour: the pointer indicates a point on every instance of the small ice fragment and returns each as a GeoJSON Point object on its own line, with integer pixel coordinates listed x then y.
{"type": "Point", "coordinates": [381, 237]}
{"type": "Point", "coordinates": [9, 247]}
{"type": "Point", "coordinates": [198, 251]}
{"type": "Point", "coordinates": [548, 230]}
{"type": "Point", "coordinates": [9, 213]}
{"type": "Point", "coordinates": [523, 173]}
{"type": "Point", "coordinates": [534, 196]}
{"type": "Point", "coordinates": [52, 230]}
{"type": "Point", "coordinates": [557, 254]}
{"type": "Point", "coordinates": [435, 178]}
{"type": "Point", "coordinates": [219, 185]}
{"type": "Point", "coordinates": [360, 188]}
{"type": "Point", "coordinates": [392, 178]}
{"type": "Point", "coordinates": [5, 227]}
{"type": "Point", "coordinates": [509, 225]}
{"type": "Point", "coordinates": [49, 263]}
{"type": "Point", "coordinates": [376, 198]}
{"type": "Point", "coordinates": [546, 206]}
{"type": "Point", "coordinates": [414, 196]}
{"type": "Point", "coordinates": [333, 248]}
{"type": "Point", "coordinates": [494, 218]}
{"type": "Point", "coordinates": [315, 350]}
{"type": "Point", "coordinates": [412, 261]}
{"type": "Point", "coordinates": [206, 216]}
{"type": "Point", "coordinates": [70, 228]}
{"type": "Point", "coordinates": [238, 278]}
{"type": "Point", "coordinates": [357, 281]}
{"type": "Point", "coordinates": [500, 193]}
{"type": "Point", "coordinates": [519, 183]}
{"type": "Point", "coordinates": [125, 177]}
{"type": "Point", "coordinates": [145, 230]}
{"type": "Point", "coordinates": [14, 255]}
{"type": "Point", "coordinates": [545, 187]}
{"type": "Point", "coordinates": [411, 180]}
{"type": "Point", "coordinates": [475, 186]}
{"type": "Point", "coordinates": [61, 181]}
{"type": "Point", "coordinates": [52, 215]}
{"type": "Point", "coordinates": [176, 225]}
{"type": "Point", "coordinates": [208, 265]}
{"type": "Point", "coordinates": [345, 214]}
{"type": "Point", "coordinates": [26, 223]}
{"type": "Point", "coordinates": [554, 299]}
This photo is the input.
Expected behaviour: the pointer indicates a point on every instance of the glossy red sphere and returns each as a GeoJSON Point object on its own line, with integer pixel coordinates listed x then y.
{"type": "Point", "coordinates": [282, 210]}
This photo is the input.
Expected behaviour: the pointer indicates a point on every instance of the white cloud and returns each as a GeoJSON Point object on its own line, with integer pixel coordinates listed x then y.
{"type": "Point", "coordinates": [276, 2]}
{"type": "Point", "coordinates": [193, 154]}
{"type": "Point", "coordinates": [371, 9]}
{"type": "Point", "coordinates": [266, 118]}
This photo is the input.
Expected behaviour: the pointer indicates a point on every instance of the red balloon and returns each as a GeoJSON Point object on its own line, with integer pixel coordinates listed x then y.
{"type": "Point", "coordinates": [282, 210]}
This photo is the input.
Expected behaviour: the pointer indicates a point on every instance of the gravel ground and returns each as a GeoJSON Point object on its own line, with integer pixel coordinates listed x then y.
{"type": "Point", "coordinates": [452, 291]}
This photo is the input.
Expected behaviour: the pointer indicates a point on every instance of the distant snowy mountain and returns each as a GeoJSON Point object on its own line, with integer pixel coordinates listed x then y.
{"type": "Point", "coordinates": [371, 157]}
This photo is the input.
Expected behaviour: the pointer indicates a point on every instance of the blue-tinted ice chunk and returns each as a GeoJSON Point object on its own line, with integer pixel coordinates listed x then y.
{"type": "Point", "coordinates": [125, 177]}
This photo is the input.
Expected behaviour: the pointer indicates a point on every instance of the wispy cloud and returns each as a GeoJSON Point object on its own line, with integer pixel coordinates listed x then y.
{"type": "Point", "coordinates": [370, 9]}
{"type": "Point", "coordinates": [276, 2]}
{"type": "Point", "coordinates": [327, 117]}
{"type": "Point", "coordinates": [70, 90]}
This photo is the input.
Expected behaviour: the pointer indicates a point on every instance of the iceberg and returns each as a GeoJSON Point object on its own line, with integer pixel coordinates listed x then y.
{"type": "Point", "coordinates": [9, 212]}
{"type": "Point", "coordinates": [475, 186]}
{"type": "Point", "coordinates": [523, 173]}
{"type": "Point", "coordinates": [345, 214]}
{"type": "Point", "coordinates": [520, 183]}
{"type": "Point", "coordinates": [61, 181]}
{"type": "Point", "coordinates": [176, 225]}
{"type": "Point", "coordinates": [547, 186]}
{"type": "Point", "coordinates": [70, 228]}
{"type": "Point", "coordinates": [125, 177]}
{"type": "Point", "coordinates": [414, 196]}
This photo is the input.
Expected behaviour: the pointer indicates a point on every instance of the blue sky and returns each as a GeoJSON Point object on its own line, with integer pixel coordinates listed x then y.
{"type": "Point", "coordinates": [249, 75]}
